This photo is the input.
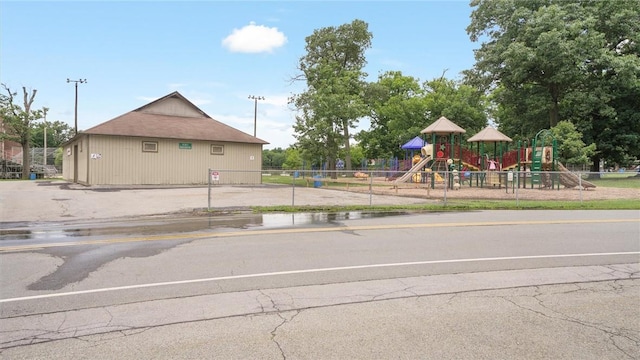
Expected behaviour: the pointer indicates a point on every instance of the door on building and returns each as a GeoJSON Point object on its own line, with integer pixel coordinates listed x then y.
{"type": "Point", "coordinates": [75, 163]}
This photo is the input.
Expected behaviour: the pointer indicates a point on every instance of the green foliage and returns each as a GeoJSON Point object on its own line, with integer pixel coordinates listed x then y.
{"type": "Point", "coordinates": [357, 154]}
{"type": "Point", "coordinates": [17, 122]}
{"type": "Point", "coordinates": [571, 148]}
{"type": "Point", "coordinates": [58, 132]}
{"type": "Point", "coordinates": [293, 160]}
{"type": "Point", "coordinates": [332, 103]}
{"type": "Point", "coordinates": [397, 112]}
{"type": "Point", "coordinates": [467, 205]}
{"type": "Point", "coordinates": [58, 157]}
{"type": "Point", "coordinates": [562, 60]}
{"type": "Point", "coordinates": [400, 108]}
{"type": "Point", "coordinates": [462, 104]}
{"type": "Point", "coordinates": [273, 159]}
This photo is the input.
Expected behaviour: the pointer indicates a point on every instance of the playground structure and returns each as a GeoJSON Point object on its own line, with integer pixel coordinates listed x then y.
{"type": "Point", "coordinates": [491, 164]}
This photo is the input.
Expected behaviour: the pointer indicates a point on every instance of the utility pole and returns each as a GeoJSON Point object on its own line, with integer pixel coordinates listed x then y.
{"type": "Point", "coordinates": [255, 111]}
{"type": "Point", "coordinates": [45, 136]}
{"type": "Point", "coordinates": [81, 81]}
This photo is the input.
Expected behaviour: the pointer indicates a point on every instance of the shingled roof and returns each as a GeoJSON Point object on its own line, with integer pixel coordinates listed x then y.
{"type": "Point", "coordinates": [195, 124]}
{"type": "Point", "coordinates": [443, 126]}
{"type": "Point", "coordinates": [489, 134]}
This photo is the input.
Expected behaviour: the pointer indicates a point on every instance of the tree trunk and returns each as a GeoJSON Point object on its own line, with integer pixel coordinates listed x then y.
{"type": "Point", "coordinates": [347, 146]}
{"type": "Point", "coordinates": [26, 160]}
{"type": "Point", "coordinates": [554, 112]}
{"type": "Point", "coordinates": [331, 166]}
{"type": "Point", "coordinates": [26, 136]}
{"type": "Point", "coordinates": [595, 168]}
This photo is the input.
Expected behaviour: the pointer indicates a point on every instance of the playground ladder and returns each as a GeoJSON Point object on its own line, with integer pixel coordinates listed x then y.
{"type": "Point", "coordinates": [536, 164]}
{"type": "Point", "coordinates": [440, 166]}
{"type": "Point", "coordinates": [537, 147]}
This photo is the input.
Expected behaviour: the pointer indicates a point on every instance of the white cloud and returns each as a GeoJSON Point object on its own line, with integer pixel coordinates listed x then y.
{"type": "Point", "coordinates": [254, 38]}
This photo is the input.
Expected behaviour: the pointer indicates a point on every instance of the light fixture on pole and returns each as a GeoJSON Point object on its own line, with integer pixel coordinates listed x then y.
{"type": "Point", "coordinates": [255, 111]}
{"type": "Point", "coordinates": [81, 81]}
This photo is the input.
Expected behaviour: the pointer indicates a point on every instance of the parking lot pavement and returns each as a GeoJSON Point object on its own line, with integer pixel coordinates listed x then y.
{"type": "Point", "coordinates": [41, 201]}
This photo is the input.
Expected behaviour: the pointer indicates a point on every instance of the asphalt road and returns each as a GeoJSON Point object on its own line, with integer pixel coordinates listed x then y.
{"type": "Point", "coordinates": [488, 284]}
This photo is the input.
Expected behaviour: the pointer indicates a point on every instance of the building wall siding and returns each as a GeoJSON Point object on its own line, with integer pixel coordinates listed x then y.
{"type": "Point", "coordinates": [175, 107]}
{"type": "Point", "coordinates": [118, 160]}
{"type": "Point", "coordinates": [77, 149]}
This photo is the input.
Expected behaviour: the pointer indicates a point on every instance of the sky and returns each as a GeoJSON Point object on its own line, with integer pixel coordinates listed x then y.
{"type": "Point", "coordinates": [215, 53]}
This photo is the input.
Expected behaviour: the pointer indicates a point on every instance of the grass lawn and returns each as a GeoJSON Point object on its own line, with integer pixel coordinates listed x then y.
{"type": "Point", "coordinates": [466, 205]}
{"type": "Point", "coordinates": [618, 180]}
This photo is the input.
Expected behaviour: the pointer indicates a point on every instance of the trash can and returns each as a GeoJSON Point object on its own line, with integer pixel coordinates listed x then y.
{"type": "Point", "coordinates": [32, 176]}
{"type": "Point", "coordinates": [317, 183]}
{"type": "Point", "coordinates": [296, 175]}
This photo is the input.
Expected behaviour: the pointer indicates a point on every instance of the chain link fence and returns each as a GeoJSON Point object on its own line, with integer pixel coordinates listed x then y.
{"type": "Point", "coordinates": [11, 164]}
{"type": "Point", "coordinates": [381, 187]}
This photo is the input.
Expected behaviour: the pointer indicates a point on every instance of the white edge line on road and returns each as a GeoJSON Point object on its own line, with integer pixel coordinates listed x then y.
{"type": "Point", "coordinates": [293, 272]}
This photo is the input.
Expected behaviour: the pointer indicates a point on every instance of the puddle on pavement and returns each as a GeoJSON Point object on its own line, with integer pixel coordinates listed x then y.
{"type": "Point", "coordinates": [80, 261]}
{"type": "Point", "coordinates": [186, 225]}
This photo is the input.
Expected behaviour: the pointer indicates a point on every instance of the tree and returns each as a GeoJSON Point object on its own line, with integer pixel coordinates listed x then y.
{"type": "Point", "coordinates": [400, 108]}
{"type": "Point", "coordinates": [571, 149]}
{"type": "Point", "coordinates": [58, 132]}
{"type": "Point", "coordinates": [332, 103]}
{"type": "Point", "coordinates": [58, 155]}
{"type": "Point", "coordinates": [460, 103]}
{"type": "Point", "coordinates": [17, 122]}
{"type": "Point", "coordinates": [273, 159]}
{"type": "Point", "coordinates": [573, 60]}
{"type": "Point", "coordinates": [538, 42]}
{"type": "Point", "coordinates": [357, 155]}
{"type": "Point", "coordinates": [608, 99]}
{"type": "Point", "coordinates": [293, 160]}
{"type": "Point", "coordinates": [397, 113]}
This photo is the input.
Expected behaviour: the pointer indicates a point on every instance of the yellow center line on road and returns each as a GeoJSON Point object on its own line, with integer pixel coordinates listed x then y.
{"type": "Point", "coordinates": [17, 248]}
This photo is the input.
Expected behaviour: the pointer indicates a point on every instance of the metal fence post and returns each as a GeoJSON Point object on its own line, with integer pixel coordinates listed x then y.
{"type": "Point", "coordinates": [370, 188]}
{"type": "Point", "coordinates": [209, 190]}
{"type": "Point", "coordinates": [580, 186]}
{"type": "Point", "coordinates": [517, 185]}
{"type": "Point", "coordinates": [446, 183]}
{"type": "Point", "coordinates": [293, 190]}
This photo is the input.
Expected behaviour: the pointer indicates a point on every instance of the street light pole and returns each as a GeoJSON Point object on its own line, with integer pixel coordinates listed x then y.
{"type": "Point", "coordinates": [81, 81]}
{"type": "Point", "coordinates": [45, 136]}
{"type": "Point", "coordinates": [255, 111]}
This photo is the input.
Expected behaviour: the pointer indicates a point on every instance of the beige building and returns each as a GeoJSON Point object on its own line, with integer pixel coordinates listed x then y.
{"type": "Point", "coordinates": [169, 141]}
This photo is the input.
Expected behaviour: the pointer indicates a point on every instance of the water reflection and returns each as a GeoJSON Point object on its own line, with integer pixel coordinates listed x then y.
{"type": "Point", "coordinates": [187, 225]}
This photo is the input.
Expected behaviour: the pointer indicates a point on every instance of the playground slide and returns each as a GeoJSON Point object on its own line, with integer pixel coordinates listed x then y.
{"type": "Point", "coordinates": [416, 168]}
{"type": "Point", "coordinates": [570, 180]}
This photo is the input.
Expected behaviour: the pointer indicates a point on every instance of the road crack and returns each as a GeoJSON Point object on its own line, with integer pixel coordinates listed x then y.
{"type": "Point", "coordinates": [550, 313]}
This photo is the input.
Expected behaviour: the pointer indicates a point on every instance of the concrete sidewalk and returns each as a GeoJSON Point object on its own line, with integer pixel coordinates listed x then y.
{"type": "Point", "coordinates": [42, 201]}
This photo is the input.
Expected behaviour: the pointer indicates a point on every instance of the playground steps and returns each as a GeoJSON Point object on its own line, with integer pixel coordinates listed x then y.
{"type": "Point", "coordinates": [536, 165]}
{"type": "Point", "coordinates": [440, 166]}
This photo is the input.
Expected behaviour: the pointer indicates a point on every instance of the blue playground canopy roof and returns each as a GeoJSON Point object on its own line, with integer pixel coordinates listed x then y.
{"type": "Point", "coordinates": [414, 144]}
